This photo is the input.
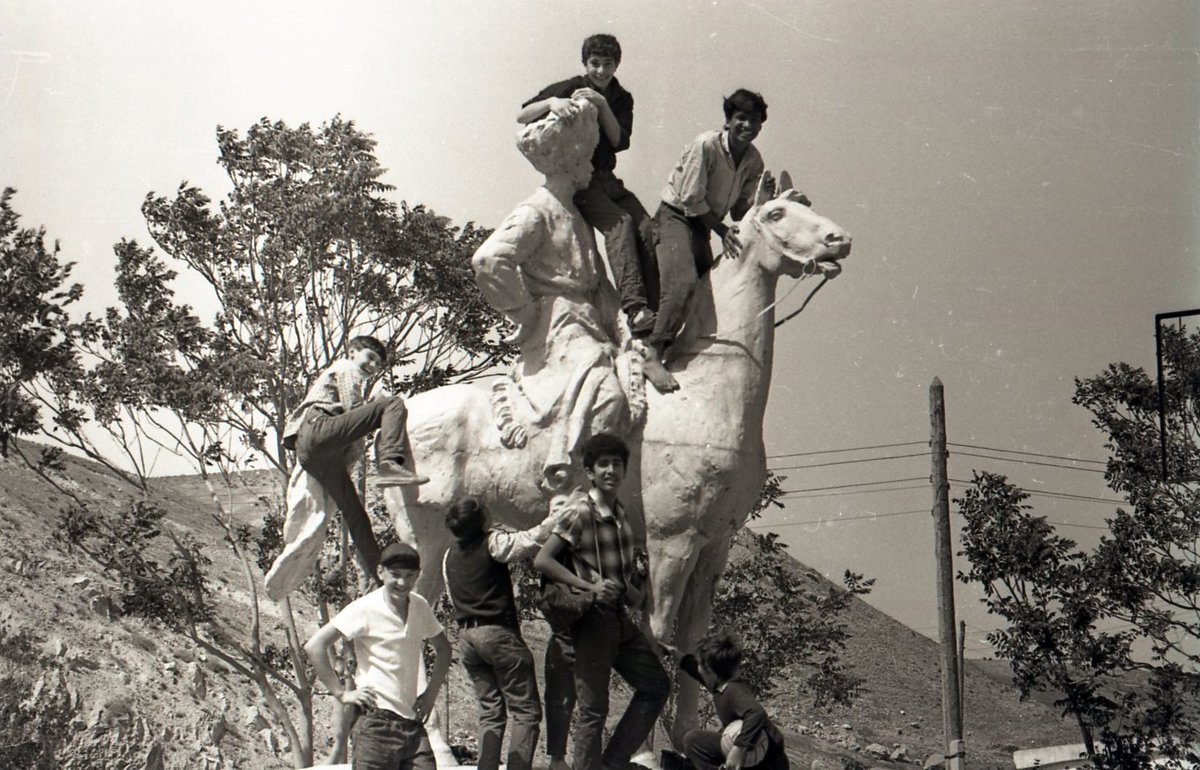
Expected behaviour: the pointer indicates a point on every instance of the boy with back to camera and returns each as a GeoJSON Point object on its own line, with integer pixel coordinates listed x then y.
{"type": "Point", "coordinates": [715, 665]}
{"type": "Point", "coordinates": [493, 652]}
{"type": "Point", "coordinates": [327, 430]}
{"type": "Point", "coordinates": [605, 203]}
{"type": "Point", "coordinates": [389, 628]}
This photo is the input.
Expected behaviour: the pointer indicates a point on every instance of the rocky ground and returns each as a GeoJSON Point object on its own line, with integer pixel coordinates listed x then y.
{"type": "Point", "coordinates": [82, 686]}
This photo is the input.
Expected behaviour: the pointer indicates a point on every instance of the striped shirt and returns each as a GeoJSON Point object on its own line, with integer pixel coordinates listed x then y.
{"type": "Point", "coordinates": [339, 388]}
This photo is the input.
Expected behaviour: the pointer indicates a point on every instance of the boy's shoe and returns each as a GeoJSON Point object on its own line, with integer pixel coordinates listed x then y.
{"type": "Point", "coordinates": [390, 473]}
{"type": "Point", "coordinates": [642, 321]}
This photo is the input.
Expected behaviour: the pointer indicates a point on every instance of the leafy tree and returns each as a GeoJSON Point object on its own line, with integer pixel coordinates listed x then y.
{"type": "Point", "coordinates": [302, 254]}
{"type": "Point", "coordinates": [39, 341]}
{"type": "Point", "coordinates": [1133, 691]}
{"type": "Point", "coordinates": [1037, 582]}
{"type": "Point", "coordinates": [783, 618]}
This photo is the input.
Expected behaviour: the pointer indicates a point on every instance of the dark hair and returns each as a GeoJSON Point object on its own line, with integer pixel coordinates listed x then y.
{"type": "Point", "coordinates": [604, 444]}
{"type": "Point", "coordinates": [743, 100]}
{"type": "Point", "coordinates": [721, 653]}
{"type": "Point", "coordinates": [601, 45]}
{"type": "Point", "coordinates": [358, 343]}
{"type": "Point", "coordinates": [465, 519]}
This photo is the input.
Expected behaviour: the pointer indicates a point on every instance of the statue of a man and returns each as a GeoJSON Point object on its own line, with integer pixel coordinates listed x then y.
{"type": "Point", "coordinates": [541, 268]}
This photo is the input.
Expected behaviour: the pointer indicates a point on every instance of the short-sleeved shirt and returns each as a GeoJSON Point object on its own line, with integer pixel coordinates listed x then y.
{"type": "Point", "coordinates": [602, 545]}
{"type": "Point", "coordinates": [706, 178]}
{"type": "Point", "coordinates": [389, 650]}
{"type": "Point", "coordinates": [620, 101]}
{"type": "Point", "coordinates": [340, 387]}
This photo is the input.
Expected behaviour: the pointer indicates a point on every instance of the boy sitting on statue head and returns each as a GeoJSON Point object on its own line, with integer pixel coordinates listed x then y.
{"type": "Point", "coordinates": [605, 203]}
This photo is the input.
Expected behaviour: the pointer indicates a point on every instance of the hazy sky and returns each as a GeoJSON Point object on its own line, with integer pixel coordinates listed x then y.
{"type": "Point", "coordinates": [1020, 179]}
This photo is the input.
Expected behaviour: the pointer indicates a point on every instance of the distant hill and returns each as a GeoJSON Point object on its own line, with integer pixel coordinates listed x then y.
{"type": "Point", "coordinates": [114, 688]}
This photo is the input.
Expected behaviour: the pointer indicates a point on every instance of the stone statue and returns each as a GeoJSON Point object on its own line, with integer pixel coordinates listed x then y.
{"type": "Point", "coordinates": [698, 461]}
{"type": "Point", "coordinates": [541, 268]}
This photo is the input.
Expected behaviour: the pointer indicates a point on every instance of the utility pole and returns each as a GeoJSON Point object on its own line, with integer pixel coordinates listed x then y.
{"type": "Point", "coordinates": [951, 701]}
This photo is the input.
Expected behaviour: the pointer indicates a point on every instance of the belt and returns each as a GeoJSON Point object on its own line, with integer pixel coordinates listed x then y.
{"type": "Point", "coordinates": [389, 715]}
{"type": "Point", "coordinates": [477, 622]}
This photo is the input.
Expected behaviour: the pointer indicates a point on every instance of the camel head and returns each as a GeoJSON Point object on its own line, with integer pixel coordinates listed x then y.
{"type": "Point", "coordinates": [792, 239]}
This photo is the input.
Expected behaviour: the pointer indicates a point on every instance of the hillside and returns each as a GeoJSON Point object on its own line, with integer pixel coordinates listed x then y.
{"type": "Point", "coordinates": [118, 692]}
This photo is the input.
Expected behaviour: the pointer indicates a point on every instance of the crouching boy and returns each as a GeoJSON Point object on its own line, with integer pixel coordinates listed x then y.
{"type": "Point", "coordinates": [715, 665]}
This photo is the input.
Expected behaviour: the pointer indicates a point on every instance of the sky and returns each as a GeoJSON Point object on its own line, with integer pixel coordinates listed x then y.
{"type": "Point", "coordinates": [1019, 177]}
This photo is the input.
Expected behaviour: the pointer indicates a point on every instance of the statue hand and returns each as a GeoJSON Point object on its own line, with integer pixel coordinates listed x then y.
{"type": "Point", "coordinates": [731, 242]}
{"type": "Point", "coordinates": [524, 317]}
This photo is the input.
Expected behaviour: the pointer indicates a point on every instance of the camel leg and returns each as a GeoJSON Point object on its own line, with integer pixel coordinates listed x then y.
{"type": "Point", "coordinates": [691, 624]}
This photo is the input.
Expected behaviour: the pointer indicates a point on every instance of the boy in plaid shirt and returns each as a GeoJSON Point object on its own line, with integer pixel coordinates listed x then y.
{"type": "Point", "coordinates": [601, 547]}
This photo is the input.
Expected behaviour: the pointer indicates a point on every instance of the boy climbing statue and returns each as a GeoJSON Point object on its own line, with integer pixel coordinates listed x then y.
{"type": "Point", "coordinates": [327, 432]}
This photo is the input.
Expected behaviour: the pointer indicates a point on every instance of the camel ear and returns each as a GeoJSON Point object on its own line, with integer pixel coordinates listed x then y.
{"type": "Point", "coordinates": [785, 181]}
{"type": "Point", "coordinates": [766, 189]}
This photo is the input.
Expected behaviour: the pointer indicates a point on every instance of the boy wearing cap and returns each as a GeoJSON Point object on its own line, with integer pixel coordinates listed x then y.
{"type": "Point", "coordinates": [389, 627]}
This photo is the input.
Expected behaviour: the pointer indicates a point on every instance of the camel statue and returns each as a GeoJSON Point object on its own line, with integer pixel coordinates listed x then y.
{"type": "Point", "coordinates": [698, 462]}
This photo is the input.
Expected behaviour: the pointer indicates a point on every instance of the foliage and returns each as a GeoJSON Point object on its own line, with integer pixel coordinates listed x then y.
{"type": "Point", "coordinates": [1036, 581]}
{"type": "Point", "coordinates": [304, 253]}
{"type": "Point", "coordinates": [1133, 690]}
{"type": "Point", "coordinates": [38, 339]}
{"type": "Point", "coordinates": [785, 620]}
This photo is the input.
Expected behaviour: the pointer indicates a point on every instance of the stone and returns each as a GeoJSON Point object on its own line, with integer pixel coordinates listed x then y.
{"type": "Point", "coordinates": [198, 680]}
{"type": "Point", "coordinates": [902, 753]}
{"type": "Point", "coordinates": [253, 719]}
{"type": "Point", "coordinates": [877, 750]}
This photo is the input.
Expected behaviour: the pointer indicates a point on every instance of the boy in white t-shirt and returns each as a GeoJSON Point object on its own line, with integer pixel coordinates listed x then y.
{"type": "Point", "coordinates": [389, 628]}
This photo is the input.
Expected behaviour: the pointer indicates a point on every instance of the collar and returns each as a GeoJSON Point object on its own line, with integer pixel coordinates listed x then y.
{"type": "Point", "coordinates": [601, 510]}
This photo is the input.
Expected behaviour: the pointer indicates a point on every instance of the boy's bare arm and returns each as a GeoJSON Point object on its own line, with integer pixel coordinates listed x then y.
{"type": "Point", "coordinates": [534, 111]}
{"type": "Point", "coordinates": [426, 701]}
{"type": "Point", "coordinates": [317, 648]}
{"type": "Point", "coordinates": [608, 121]}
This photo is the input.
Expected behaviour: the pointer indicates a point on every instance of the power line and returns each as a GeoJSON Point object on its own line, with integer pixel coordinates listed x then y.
{"type": "Point", "coordinates": [838, 520]}
{"type": "Point", "coordinates": [861, 484]}
{"type": "Point", "coordinates": [849, 462]}
{"type": "Point", "coordinates": [1053, 494]}
{"type": "Point", "coordinates": [1028, 454]}
{"type": "Point", "coordinates": [1027, 462]}
{"type": "Point", "coordinates": [791, 496]}
{"type": "Point", "coordinates": [848, 449]}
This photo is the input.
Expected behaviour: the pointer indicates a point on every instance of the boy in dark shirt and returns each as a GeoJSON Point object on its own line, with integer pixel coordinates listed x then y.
{"type": "Point", "coordinates": [605, 203]}
{"type": "Point", "coordinates": [715, 665]}
{"type": "Point", "coordinates": [493, 652]}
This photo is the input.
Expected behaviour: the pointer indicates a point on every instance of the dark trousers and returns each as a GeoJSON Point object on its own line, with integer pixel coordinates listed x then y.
{"type": "Point", "coordinates": [559, 675]}
{"type": "Point", "coordinates": [620, 217]}
{"type": "Point", "coordinates": [703, 749]}
{"type": "Point", "coordinates": [683, 253]}
{"type": "Point", "coordinates": [386, 741]}
{"type": "Point", "coordinates": [606, 640]}
{"type": "Point", "coordinates": [500, 666]}
{"type": "Point", "coordinates": [321, 450]}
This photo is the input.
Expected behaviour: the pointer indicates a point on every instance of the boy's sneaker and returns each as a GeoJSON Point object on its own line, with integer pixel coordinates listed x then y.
{"type": "Point", "coordinates": [390, 473]}
{"type": "Point", "coordinates": [642, 321]}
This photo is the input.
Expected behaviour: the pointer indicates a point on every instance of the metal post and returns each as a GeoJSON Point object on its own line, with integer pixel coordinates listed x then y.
{"type": "Point", "coordinates": [951, 703]}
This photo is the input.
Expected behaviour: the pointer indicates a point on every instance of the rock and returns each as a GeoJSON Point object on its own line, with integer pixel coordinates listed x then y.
{"type": "Point", "coordinates": [154, 757]}
{"type": "Point", "coordinates": [933, 760]}
{"type": "Point", "coordinates": [81, 581]}
{"type": "Point", "coordinates": [253, 719]}
{"type": "Point", "coordinates": [823, 764]}
{"type": "Point", "coordinates": [901, 753]}
{"type": "Point", "coordinates": [268, 739]}
{"type": "Point", "coordinates": [56, 647]}
{"type": "Point", "coordinates": [199, 680]}
{"type": "Point", "coordinates": [877, 750]}
{"type": "Point", "coordinates": [217, 730]}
